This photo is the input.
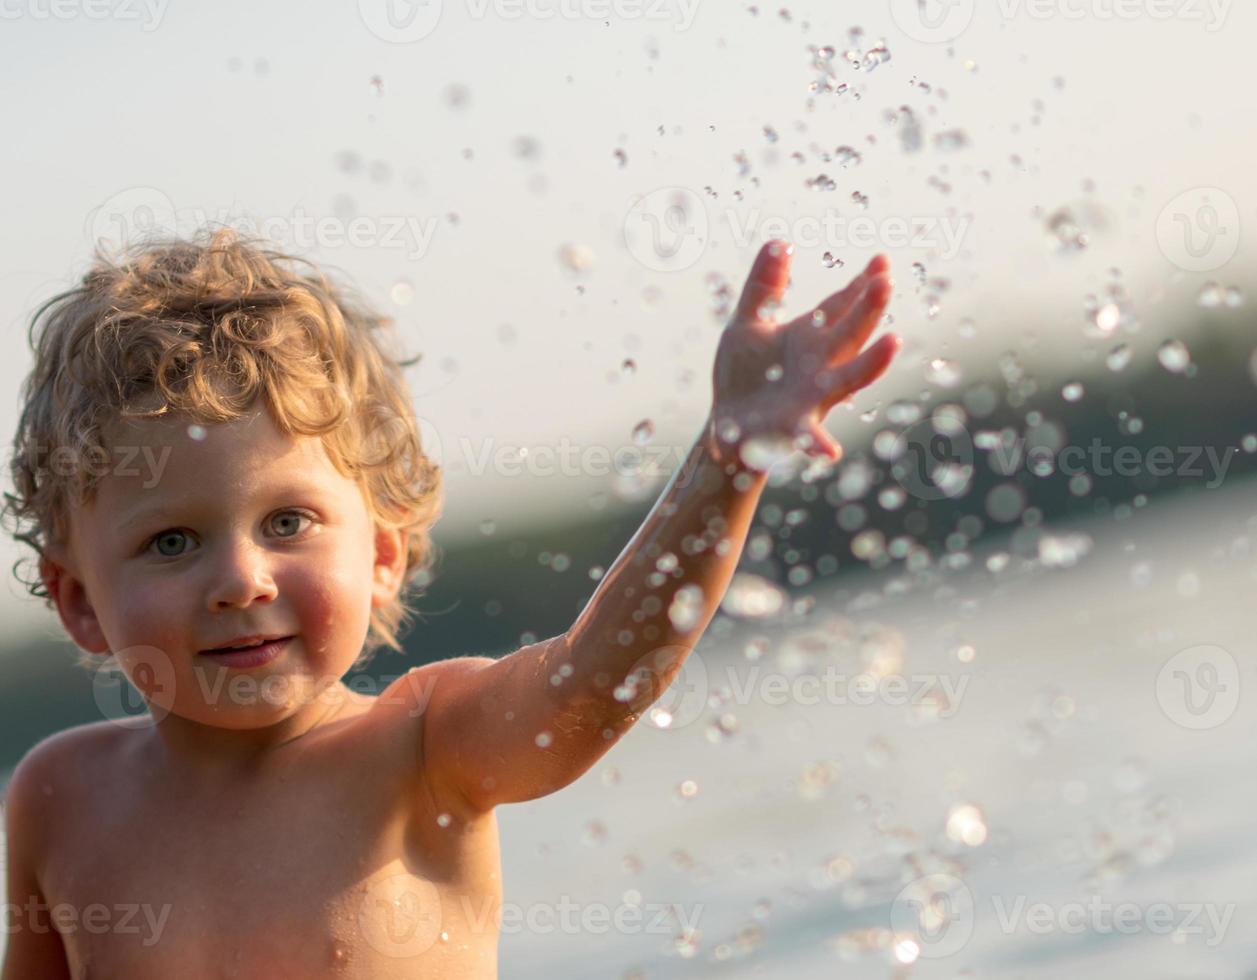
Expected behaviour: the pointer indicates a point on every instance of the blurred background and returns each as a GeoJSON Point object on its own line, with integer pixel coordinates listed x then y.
{"type": "Point", "coordinates": [1042, 522]}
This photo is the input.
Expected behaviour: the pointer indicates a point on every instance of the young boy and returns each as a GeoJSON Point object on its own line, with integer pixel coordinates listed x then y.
{"type": "Point", "coordinates": [263, 819]}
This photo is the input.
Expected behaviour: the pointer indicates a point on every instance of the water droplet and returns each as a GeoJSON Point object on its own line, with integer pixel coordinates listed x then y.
{"type": "Point", "coordinates": [402, 292]}
{"type": "Point", "coordinates": [488, 526]}
{"type": "Point", "coordinates": [457, 96]}
{"type": "Point", "coordinates": [686, 608]}
{"type": "Point", "coordinates": [526, 147]}
{"type": "Point", "coordinates": [576, 258]}
{"type": "Point", "coordinates": [1065, 232]}
{"type": "Point", "coordinates": [942, 372]}
{"type": "Point", "coordinates": [966, 824]}
{"type": "Point", "coordinates": [1107, 318]}
{"type": "Point", "coordinates": [878, 54]}
{"type": "Point", "coordinates": [1174, 356]}
{"type": "Point", "coordinates": [774, 372]}
{"type": "Point", "coordinates": [1072, 391]}
{"type": "Point", "coordinates": [1211, 295]}
{"type": "Point", "coordinates": [951, 139]}
{"type": "Point", "coordinates": [621, 157]}
{"type": "Point", "coordinates": [860, 200]}
{"type": "Point", "coordinates": [197, 433]}
{"type": "Point", "coordinates": [847, 156]}
{"type": "Point", "coordinates": [543, 739]}
{"type": "Point", "coordinates": [595, 833]}
{"type": "Point", "coordinates": [643, 431]}
{"type": "Point", "coordinates": [831, 262]}
{"type": "Point", "coordinates": [628, 367]}
{"type": "Point", "coordinates": [1119, 357]}
{"type": "Point", "coordinates": [761, 453]}
{"type": "Point", "coordinates": [752, 597]}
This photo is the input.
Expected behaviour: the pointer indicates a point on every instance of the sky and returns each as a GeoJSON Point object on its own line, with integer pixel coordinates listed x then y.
{"type": "Point", "coordinates": [540, 191]}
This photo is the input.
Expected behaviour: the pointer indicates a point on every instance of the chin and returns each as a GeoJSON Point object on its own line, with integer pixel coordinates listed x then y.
{"type": "Point", "coordinates": [246, 700]}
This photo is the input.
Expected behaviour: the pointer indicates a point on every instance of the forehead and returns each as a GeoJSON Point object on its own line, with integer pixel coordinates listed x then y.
{"type": "Point", "coordinates": [182, 462]}
{"type": "Point", "coordinates": [250, 445]}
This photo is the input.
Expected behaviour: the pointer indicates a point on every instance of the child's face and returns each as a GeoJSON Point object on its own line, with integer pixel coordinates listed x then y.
{"type": "Point", "coordinates": [246, 531]}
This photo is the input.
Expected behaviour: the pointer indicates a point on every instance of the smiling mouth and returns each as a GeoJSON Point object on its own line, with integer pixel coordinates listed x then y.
{"type": "Point", "coordinates": [237, 647]}
{"type": "Point", "coordinates": [257, 655]}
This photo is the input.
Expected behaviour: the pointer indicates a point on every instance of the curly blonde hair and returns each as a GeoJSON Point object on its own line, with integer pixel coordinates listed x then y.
{"type": "Point", "coordinates": [202, 328]}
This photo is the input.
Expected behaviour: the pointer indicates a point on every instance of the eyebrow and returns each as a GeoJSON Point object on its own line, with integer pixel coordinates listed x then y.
{"type": "Point", "coordinates": [143, 515]}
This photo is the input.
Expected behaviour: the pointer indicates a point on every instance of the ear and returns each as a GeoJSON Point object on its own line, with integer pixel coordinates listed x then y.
{"type": "Point", "coordinates": [390, 565]}
{"type": "Point", "coordinates": [69, 594]}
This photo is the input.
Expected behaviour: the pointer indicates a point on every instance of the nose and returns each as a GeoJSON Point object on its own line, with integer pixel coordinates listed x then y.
{"type": "Point", "coordinates": [241, 577]}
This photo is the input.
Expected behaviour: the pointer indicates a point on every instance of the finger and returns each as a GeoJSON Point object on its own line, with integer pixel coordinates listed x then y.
{"type": "Point", "coordinates": [845, 379]}
{"type": "Point", "coordinates": [767, 281]}
{"type": "Point", "coordinates": [823, 444]}
{"type": "Point", "coordinates": [836, 305]}
{"type": "Point", "coordinates": [852, 332]}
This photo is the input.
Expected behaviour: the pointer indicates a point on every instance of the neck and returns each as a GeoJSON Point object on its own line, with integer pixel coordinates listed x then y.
{"type": "Point", "coordinates": [210, 748]}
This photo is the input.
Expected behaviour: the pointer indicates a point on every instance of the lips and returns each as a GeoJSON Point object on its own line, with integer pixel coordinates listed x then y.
{"type": "Point", "coordinates": [252, 640]}
{"type": "Point", "coordinates": [259, 653]}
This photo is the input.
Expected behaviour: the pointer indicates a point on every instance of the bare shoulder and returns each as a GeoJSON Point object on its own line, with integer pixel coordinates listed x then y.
{"type": "Point", "coordinates": [57, 759]}
{"type": "Point", "coordinates": [414, 692]}
{"type": "Point", "coordinates": [414, 704]}
{"type": "Point", "coordinates": [53, 776]}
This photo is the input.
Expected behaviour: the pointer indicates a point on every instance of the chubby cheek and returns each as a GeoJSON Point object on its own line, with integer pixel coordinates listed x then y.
{"type": "Point", "coordinates": [332, 606]}
{"type": "Point", "coordinates": [154, 613]}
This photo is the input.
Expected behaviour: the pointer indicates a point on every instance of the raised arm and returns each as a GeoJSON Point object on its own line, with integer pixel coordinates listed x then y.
{"type": "Point", "coordinates": [502, 731]}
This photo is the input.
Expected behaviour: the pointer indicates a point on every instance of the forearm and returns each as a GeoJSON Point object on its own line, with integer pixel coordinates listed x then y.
{"type": "Point", "coordinates": [656, 600]}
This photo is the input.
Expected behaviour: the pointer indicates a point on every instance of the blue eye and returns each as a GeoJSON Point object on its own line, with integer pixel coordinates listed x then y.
{"type": "Point", "coordinates": [166, 536]}
{"type": "Point", "coordinates": [292, 513]}
{"type": "Point", "coordinates": [293, 516]}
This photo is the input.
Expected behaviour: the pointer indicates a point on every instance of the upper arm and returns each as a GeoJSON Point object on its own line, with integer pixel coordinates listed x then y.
{"type": "Point", "coordinates": [512, 729]}
{"type": "Point", "coordinates": [38, 951]}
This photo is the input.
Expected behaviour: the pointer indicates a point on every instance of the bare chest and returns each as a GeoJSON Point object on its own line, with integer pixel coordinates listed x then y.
{"type": "Point", "coordinates": [316, 877]}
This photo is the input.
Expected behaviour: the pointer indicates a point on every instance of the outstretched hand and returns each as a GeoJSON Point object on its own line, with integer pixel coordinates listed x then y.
{"type": "Point", "coordinates": [774, 383]}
